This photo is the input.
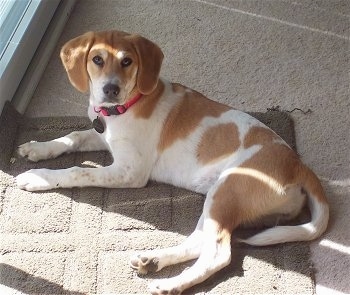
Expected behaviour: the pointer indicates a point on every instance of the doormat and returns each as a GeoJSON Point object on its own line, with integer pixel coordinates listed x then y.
{"type": "Point", "coordinates": [78, 241]}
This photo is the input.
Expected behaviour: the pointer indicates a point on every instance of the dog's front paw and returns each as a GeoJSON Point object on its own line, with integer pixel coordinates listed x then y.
{"type": "Point", "coordinates": [144, 263]}
{"type": "Point", "coordinates": [35, 151]}
{"type": "Point", "coordinates": [35, 180]}
{"type": "Point", "coordinates": [165, 287]}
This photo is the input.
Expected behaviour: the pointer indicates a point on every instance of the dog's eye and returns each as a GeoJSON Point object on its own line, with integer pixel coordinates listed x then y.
{"type": "Point", "coordinates": [127, 61]}
{"type": "Point", "coordinates": [98, 60]}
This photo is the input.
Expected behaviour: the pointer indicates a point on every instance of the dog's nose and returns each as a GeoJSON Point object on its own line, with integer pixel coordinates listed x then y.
{"type": "Point", "coordinates": [111, 91]}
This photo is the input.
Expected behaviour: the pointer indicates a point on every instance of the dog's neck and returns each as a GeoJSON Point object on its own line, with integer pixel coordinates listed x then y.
{"type": "Point", "coordinates": [118, 109]}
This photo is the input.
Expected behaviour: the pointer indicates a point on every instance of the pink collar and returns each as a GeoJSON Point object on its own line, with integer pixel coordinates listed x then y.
{"type": "Point", "coordinates": [118, 109]}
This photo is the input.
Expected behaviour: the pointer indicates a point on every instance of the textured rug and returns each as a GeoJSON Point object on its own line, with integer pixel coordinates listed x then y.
{"type": "Point", "coordinates": [78, 241]}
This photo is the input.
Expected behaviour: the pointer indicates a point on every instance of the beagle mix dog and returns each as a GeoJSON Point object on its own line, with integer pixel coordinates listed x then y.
{"type": "Point", "coordinates": [169, 133]}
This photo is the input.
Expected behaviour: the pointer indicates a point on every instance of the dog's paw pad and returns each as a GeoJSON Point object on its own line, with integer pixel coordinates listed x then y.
{"type": "Point", "coordinates": [144, 264]}
{"type": "Point", "coordinates": [163, 287]}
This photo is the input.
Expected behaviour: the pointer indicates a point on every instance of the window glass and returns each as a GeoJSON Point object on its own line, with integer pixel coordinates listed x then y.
{"type": "Point", "coordinates": [11, 13]}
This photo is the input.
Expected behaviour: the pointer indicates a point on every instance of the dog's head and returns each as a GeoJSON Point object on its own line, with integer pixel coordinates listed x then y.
{"type": "Point", "coordinates": [113, 65]}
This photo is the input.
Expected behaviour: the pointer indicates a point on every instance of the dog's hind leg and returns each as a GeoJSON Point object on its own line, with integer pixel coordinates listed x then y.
{"type": "Point", "coordinates": [214, 255]}
{"type": "Point", "coordinates": [155, 260]}
{"type": "Point", "coordinates": [215, 252]}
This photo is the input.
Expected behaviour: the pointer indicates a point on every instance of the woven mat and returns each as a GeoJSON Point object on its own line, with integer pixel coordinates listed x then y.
{"type": "Point", "coordinates": [78, 241]}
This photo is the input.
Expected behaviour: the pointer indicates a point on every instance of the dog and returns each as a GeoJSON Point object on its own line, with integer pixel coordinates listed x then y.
{"type": "Point", "coordinates": [169, 133]}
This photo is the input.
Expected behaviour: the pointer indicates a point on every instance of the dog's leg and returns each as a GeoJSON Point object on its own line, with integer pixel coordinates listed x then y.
{"type": "Point", "coordinates": [214, 255]}
{"type": "Point", "coordinates": [46, 179]}
{"type": "Point", "coordinates": [155, 260]}
{"type": "Point", "coordinates": [86, 140]}
{"type": "Point", "coordinates": [219, 219]}
{"type": "Point", "coordinates": [129, 170]}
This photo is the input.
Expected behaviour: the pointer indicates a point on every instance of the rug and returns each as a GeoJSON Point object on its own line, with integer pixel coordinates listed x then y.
{"type": "Point", "coordinates": [78, 241]}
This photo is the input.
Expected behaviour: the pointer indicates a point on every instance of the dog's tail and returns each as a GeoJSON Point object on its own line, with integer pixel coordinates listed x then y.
{"type": "Point", "coordinates": [319, 209]}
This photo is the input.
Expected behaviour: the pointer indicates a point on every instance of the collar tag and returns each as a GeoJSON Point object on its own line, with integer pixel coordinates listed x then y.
{"type": "Point", "coordinates": [98, 125]}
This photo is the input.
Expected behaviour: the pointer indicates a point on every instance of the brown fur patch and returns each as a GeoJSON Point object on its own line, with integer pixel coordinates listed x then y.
{"type": "Point", "coordinates": [245, 197]}
{"type": "Point", "coordinates": [217, 142]}
{"type": "Point", "coordinates": [187, 114]}
{"type": "Point", "coordinates": [236, 201]}
{"type": "Point", "coordinates": [259, 135]}
{"type": "Point", "coordinates": [276, 161]}
{"type": "Point", "coordinates": [145, 107]}
{"type": "Point", "coordinates": [263, 184]}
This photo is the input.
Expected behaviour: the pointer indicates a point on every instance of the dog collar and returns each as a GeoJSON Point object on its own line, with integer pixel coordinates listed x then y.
{"type": "Point", "coordinates": [118, 109]}
{"type": "Point", "coordinates": [97, 124]}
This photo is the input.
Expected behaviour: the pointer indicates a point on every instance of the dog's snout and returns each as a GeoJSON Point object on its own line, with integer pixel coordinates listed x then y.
{"type": "Point", "coordinates": [111, 91]}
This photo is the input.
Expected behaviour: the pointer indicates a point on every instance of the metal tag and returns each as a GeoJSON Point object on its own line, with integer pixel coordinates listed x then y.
{"type": "Point", "coordinates": [98, 125]}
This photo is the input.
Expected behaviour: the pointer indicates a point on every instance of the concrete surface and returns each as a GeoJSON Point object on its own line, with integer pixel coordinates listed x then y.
{"type": "Point", "coordinates": [251, 55]}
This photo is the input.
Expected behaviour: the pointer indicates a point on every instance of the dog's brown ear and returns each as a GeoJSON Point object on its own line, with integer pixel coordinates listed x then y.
{"type": "Point", "coordinates": [74, 58]}
{"type": "Point", "coordinates": [150, 61]}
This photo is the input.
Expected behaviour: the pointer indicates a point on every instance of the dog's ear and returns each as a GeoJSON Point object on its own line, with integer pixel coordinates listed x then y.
{"type": "Point", "coordinates": [74, 58]}
{"type": "Point", "coordinates": [150, 61]}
